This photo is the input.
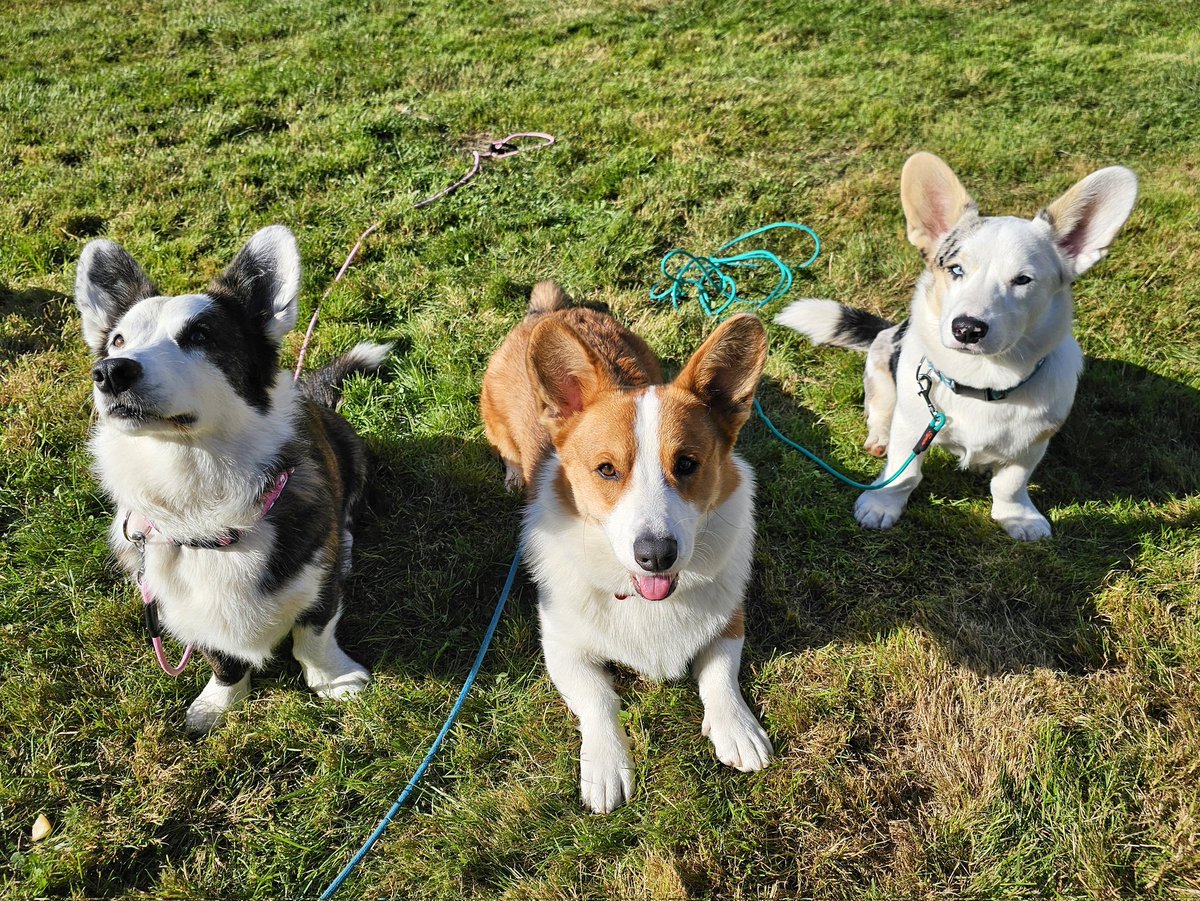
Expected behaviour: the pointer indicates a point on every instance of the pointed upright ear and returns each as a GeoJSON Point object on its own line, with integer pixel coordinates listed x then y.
{"type": "Point", "coordinates": [724, 372]}
{"type": "Point", "coordinates": [1085, 220]}
{"type": "Point", "coordinates": [265, 277]}
{"type": "Point", "coordinates": [934, 200]}
{"type": "Point", "coordinates": [566, 373]}
{"type": "Point", "coordinates": [107, 283]}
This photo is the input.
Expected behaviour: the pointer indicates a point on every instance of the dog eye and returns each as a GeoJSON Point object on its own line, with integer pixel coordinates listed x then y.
{"type": "Point", "coordinates": [195, 335]}
{"type": "Point", "coordinates": [685, 466]}
{"type": "Point", "coordinates": [118, 341]}
{"type": "Point", "coordinates": [607, 471]}
{"type": "Point", "coordinates": [1022, 280]}
{"type": "Point", "coordinates": [956, 271]}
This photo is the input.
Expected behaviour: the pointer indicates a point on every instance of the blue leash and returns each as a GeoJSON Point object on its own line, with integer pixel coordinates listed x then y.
{"type": "Point", "coordinates": [437, 742]}
{"type": "Point", "coordinates": [704, 277]}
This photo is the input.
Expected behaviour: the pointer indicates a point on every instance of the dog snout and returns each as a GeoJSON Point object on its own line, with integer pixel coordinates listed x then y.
{"type": "Point", "coordinates": [655, 554]}
{"type": "Point", "coordinates": [114, 375]}
{"type": "Point", "coordinates": [968, 329]}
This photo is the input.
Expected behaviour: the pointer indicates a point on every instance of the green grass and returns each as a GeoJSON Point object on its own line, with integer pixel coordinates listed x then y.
{"type": "Point", "coordinates": [956, 715]}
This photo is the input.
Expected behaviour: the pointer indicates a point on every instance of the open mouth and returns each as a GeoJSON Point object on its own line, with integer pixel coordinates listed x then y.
{"type": "Point", "coordinates": [655, 587]}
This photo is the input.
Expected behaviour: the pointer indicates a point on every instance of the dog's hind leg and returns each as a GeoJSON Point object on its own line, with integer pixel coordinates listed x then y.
{"type": "Point", "coordinates": [328, 670]}
{"type": "Point", "coordinates": [229, 686]}
{"type": "Point", "coordinates": [879, 389]}
{"type": "Point", "coordinates": [1011, 506]}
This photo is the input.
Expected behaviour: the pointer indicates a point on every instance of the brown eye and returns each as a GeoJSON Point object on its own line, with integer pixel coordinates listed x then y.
{"type": "Point", "coordinates": [607, 471]}
{"type": "Point", "coordinates": [118, 341]}
{"type": "Point", "coordinates": [1022, 280]}
{"type": "Point", "coordinates": [685, 466]}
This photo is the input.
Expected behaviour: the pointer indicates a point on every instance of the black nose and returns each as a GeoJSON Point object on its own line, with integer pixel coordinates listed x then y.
{"type": "Point", "coordinates": [655, 555]}
{"type": "Point", "coordinates": [968, 329]}
{"type": "Point", "coordinates": [114, 375]}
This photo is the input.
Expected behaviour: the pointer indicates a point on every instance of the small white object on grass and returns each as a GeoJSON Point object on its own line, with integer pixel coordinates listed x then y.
{"type": "Point", "coordinates": [41, 828]}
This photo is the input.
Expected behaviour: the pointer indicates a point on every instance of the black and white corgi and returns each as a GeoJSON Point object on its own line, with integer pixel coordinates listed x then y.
{"type": "Point", "coordinates": [236, 488]}
{"type": "Point", "coordinates": [989, 335]}
{"type": "Point", "coordinates": [640, 524]}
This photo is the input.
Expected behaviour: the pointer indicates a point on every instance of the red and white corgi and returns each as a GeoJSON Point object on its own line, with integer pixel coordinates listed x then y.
{"type": "Point", "coordinates": [640, 525]}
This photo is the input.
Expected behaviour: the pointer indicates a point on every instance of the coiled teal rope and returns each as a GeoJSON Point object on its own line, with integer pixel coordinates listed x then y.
{"type": "Point", "coordinates": [715, 291]}
{"type": "Point", "coordinates": [704, 277]}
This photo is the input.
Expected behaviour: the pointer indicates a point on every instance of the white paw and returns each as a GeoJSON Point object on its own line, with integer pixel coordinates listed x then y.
{"type": "Point", "coordinates": [1027, 525]}
{"type": "Point", "coordinates": [339, 681]}
{"type": "Point", "coordinates": [738, 739]}
{"type": "Point", "coordinates": [605, 774]}
{"type": "Point", "coordinates": [877, 443]}
{"type": "Point", "coordinates": [878, 509]}
{"type": "Point", "coordinates": [211, 704]}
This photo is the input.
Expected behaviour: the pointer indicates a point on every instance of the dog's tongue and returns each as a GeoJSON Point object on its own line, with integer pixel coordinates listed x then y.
{"type": "Point", "coordinates": [653, 588]}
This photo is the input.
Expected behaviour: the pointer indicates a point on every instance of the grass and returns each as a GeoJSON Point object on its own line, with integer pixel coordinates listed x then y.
{"type": "Point", "coordinates": [956, 715]}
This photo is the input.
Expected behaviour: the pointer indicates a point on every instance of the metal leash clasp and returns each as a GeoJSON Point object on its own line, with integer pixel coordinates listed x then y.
{"type": "Point", "coordinates": [937, 420]}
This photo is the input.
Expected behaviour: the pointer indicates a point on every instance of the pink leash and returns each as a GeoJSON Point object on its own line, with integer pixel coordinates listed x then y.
{"type": "Point", "coordinates": [496, 150]}
{"type": "Point", "coordinates": [150, 602]}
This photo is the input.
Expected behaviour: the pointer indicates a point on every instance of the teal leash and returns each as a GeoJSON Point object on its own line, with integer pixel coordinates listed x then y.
{"type": "Point", "coordinates": [437, 742]}
{"type": "Point", "coordinates": [716, 292]}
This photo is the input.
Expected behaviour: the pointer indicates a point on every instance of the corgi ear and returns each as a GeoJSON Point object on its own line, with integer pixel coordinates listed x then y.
{"type": "Point", "coordinates": [934, 200]}
{"type": "Point", "coordinates": [108, 281]}
{"type": "Point", "coordinates": [1085, 220]}
{"type": "Point", "coordinates": [566, 373]}
{"type": "Point", "coordinates": [265, 277]}
{"type": "Point", "coordinates": [724, 372]}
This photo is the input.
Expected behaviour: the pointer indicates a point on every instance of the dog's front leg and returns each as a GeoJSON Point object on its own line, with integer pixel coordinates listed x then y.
{"type": "Point", "coordinates": [605, 768]}
{"type": "Point", "coordinates": [880, 508]}
{"type": "Point", "coordinates": [737, 737]}
{"type": "Point", "coordinates": [229, 686]}
{"type": "Point", "coordinates": [1011, 506]}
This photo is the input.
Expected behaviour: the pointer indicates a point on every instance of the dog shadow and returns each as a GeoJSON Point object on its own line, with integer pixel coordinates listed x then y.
{"type": "Point", "coordinates": [31, 321]}
{"type": "Point", "coordinates": [991, 603]}
{"type": "Point", "coordinates": [431, 555]}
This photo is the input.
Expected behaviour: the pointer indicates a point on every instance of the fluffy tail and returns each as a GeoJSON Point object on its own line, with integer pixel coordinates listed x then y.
{"type": "Point", "coordinates": [827, 322]}
{"type": "Point", "coordinates": [325, 385]}
{"type": "Point", "coordinates": [546, 297]}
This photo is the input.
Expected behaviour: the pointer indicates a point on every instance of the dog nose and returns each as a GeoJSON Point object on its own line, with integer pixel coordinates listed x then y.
{"type": "Point", "coordinates": [114, 375]}
{"type": "Point", "coordinates": [655, 555]}
{"type": "Point", "coordinates": [968, 329]}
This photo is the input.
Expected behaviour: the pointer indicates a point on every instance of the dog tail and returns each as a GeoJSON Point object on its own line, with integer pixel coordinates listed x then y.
{"type": "Point", "coordinates": [546, 297]}
{"type": "Point", "coordinates": [325, 385]}
{"type": "Point", "coordinates": [828, 322]}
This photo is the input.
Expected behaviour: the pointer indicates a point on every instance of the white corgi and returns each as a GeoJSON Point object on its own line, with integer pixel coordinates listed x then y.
{"type": "Point", "coordinates": [988, 335]}
{"type": "Point", "coordinates": [236, 489]}
{"type": "Point", "coordinates": [640, 528]}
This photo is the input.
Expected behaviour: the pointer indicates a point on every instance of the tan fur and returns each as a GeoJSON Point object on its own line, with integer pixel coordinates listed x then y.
{"type": "Point", "coordinates": [511, 406]}
{"type": "Point", "coordinates": [689, 428]}
{"type": "Point", "coordinates": [737, 625]}
{"type": "Point", "coordinates": [933, 199]}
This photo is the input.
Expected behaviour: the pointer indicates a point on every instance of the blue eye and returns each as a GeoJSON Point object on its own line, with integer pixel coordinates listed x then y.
{"type": "Point", "coordinates": [956, 271]}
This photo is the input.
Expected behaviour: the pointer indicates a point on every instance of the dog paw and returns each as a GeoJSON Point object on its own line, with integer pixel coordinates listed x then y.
{"type": "Point", "coordinates": [605, 775]}
{"type": "Point", "coordinates": [338, 684]}
{"type": "Point", "coordinates": [1026, 526]}
{"type": "Point", "coordinates": [874, 511]}
{"type": "Point", "coordinates": [877, 444]}
{"type": "Point", "coordinates": [210, 705]}
{"type": "Point", "coordinates": [738, 738]}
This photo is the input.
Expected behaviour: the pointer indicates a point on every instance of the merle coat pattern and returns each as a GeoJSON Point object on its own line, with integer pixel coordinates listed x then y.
{"type": "Point", "coordinates": [195, 421]}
